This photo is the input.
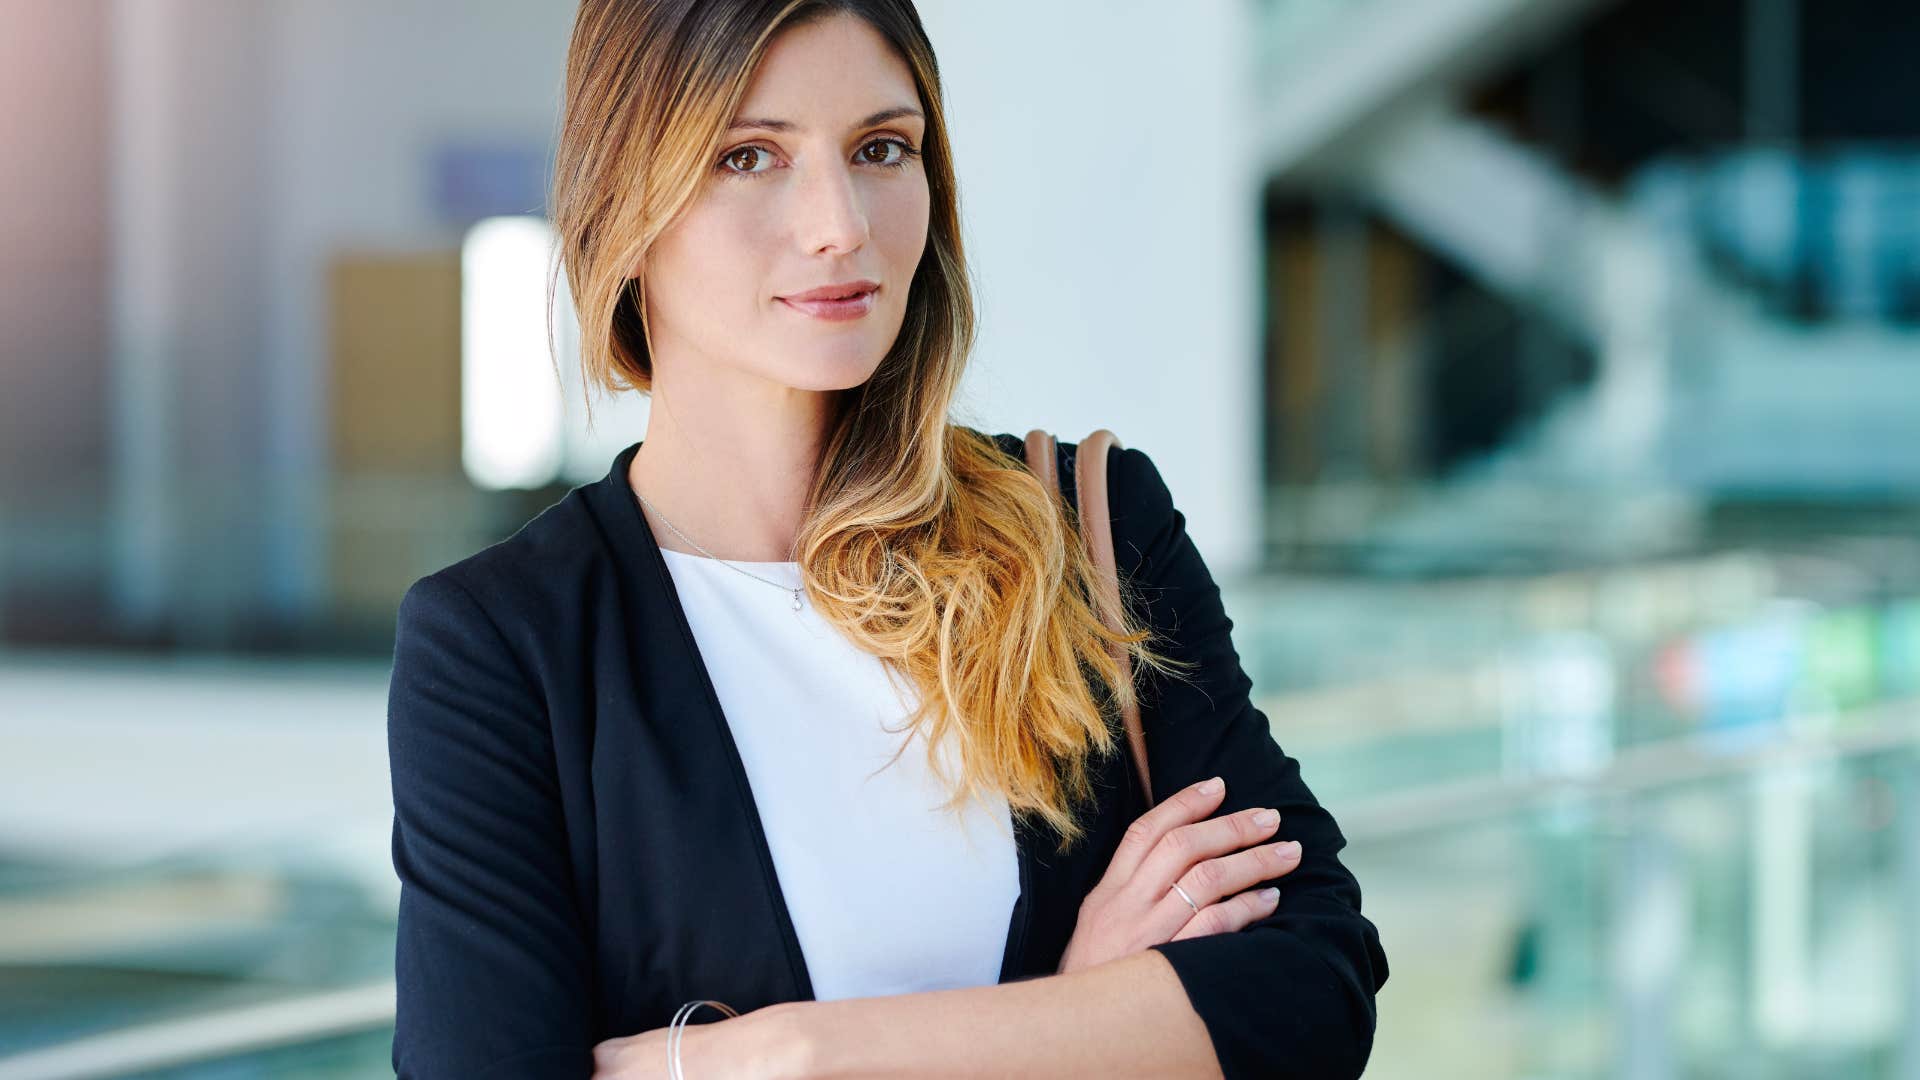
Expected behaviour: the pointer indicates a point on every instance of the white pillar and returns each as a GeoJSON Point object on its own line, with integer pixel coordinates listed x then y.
{"type": "Point", "coordinates": [1110, 175]}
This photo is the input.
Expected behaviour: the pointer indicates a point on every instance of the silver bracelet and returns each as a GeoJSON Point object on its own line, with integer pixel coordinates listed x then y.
{"type": "Point", "coordinates": [679, 1025]}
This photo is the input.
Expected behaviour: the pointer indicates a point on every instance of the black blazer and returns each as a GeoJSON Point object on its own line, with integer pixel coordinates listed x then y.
{"type": "Point", "coordinates": [579, 852]}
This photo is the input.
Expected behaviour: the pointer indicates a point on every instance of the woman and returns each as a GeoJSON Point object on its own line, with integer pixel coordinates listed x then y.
{"type": "Point", "coordinates": [654, 747]}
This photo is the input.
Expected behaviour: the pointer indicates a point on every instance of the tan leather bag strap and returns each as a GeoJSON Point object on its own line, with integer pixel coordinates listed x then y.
{"type": "Point", "coordinates": [1096, 532]}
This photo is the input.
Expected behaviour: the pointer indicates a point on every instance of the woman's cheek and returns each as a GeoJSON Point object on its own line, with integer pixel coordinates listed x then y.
{"type": "Point", "coordinates": [903, 230]}
{"type": "Point", "coordinates": [730, 254]}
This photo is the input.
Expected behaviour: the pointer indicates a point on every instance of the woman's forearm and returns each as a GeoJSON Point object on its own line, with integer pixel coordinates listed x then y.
{"type": "Point", "coordinates": [1129, 1017]}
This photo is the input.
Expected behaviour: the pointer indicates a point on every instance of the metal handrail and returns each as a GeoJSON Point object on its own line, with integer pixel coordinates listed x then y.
{"type": "Point", "coordinates": [224, 1033]}
{"type": "Point", "coordinates": [1666, 763]}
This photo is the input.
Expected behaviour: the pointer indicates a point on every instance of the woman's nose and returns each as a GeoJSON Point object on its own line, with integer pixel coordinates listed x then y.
{"type": "Point", "coordinates": [832, 216]}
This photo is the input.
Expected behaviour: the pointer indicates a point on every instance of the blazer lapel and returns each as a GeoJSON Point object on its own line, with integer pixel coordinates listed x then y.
{"type": "Point", "coordinates": [726, 927]}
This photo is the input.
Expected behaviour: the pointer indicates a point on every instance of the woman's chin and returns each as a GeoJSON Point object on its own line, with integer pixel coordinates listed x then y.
{"type": "Point", "coordinates": [835, 372]}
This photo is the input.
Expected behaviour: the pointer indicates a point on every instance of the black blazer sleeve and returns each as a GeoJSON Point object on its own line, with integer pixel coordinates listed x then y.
{"type": "Point", "coordinates": [492, 962]}
{"type": "Point", "coordinates": [1291, 995]}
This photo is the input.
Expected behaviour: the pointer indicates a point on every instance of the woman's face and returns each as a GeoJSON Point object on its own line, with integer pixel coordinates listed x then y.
{"type": "Point", "coordinates": [819, 184]}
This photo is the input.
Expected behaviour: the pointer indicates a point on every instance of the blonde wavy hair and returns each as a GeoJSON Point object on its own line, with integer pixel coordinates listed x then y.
{"type": "Point", "coordinates": [924, 542]}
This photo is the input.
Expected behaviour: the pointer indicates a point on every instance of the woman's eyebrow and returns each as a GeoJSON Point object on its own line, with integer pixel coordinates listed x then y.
{"type": "Point", "coordinates": [880, 117]}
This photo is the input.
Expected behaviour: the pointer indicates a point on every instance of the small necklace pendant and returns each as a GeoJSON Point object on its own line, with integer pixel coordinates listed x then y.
{"type": "Point", "coordinates": [796, 599]}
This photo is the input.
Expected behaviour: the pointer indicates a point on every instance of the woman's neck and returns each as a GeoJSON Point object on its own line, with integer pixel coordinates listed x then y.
{"type": "Point", "coordinates": [733, 480]}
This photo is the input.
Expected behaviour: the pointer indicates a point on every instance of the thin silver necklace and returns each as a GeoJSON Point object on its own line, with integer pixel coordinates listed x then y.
{"type": "Point", "coordinates": [797, 592]}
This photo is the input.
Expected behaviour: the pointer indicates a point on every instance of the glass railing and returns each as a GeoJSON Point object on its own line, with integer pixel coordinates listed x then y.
{"type": "Point", "coordinates": [1749, 917]}
{"type": "Point", "coordinates": [234, 962]}
{"type": "Point", "coordinates": [1391, 686]}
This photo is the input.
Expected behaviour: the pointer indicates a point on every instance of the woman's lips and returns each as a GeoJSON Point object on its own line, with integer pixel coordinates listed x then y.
{"type": "Point", "coordinates": [852, 307]}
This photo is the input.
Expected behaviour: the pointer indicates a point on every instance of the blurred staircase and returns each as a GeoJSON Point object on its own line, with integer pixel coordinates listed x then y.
{"type": "Point", "coordinates": [1701, 388]}
{"type": "Point", "coordinates": [1329, 68]}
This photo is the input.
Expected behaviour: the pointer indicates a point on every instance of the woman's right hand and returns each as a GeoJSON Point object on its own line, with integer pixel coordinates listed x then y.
{"type": "Point", "coordinates": [1216, 860]}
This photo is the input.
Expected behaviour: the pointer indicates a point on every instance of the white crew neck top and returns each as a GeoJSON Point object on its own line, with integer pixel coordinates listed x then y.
{"type": "Point", "coordinates": [888, 894]}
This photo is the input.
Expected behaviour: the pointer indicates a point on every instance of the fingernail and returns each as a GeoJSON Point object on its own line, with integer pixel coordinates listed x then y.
{"type": "Point", "coordinates": [1289, 849]}
{"type": "Point", "coordinates": [1269, 894]}
{"type": "Point", "coordinates": [1208, 787]}
{"type": "Point", "coordinates": [1265, 817]}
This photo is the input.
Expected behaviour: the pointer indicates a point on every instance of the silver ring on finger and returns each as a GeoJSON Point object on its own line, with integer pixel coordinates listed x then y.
{"type": "Point", "coordinates": [1188, 899]}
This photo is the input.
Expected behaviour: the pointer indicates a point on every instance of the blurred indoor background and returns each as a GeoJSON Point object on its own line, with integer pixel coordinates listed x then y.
{"type": "Point", "coordinates": [1541, 378]}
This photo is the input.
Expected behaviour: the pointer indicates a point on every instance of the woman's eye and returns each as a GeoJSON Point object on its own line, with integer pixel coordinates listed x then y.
{"type": "Point", "coordinates": [746, 155]}
{"type": "Point", "coordinates": [892, 152]}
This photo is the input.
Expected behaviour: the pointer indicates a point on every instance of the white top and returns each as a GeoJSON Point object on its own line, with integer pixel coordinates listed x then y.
{"type": "Point", "coordinates": [888, 894]}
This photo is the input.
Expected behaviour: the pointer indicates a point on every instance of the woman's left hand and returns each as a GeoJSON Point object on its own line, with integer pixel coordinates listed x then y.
{"type": "Point", "coordinates": [760, 1043]}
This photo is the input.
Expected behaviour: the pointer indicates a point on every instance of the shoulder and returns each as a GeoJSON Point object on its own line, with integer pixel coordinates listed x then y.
{"type": "Point", "coordinates": [1139, 504]}
{"type": "Point", "coordinates": [1133, 480]}
{"type": "Point", "coordinates": [519, 580]}
{"type": "Point", "coordinates": [1135, 489]}
{"type": "Point", "coordinates": [1147, 529]}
